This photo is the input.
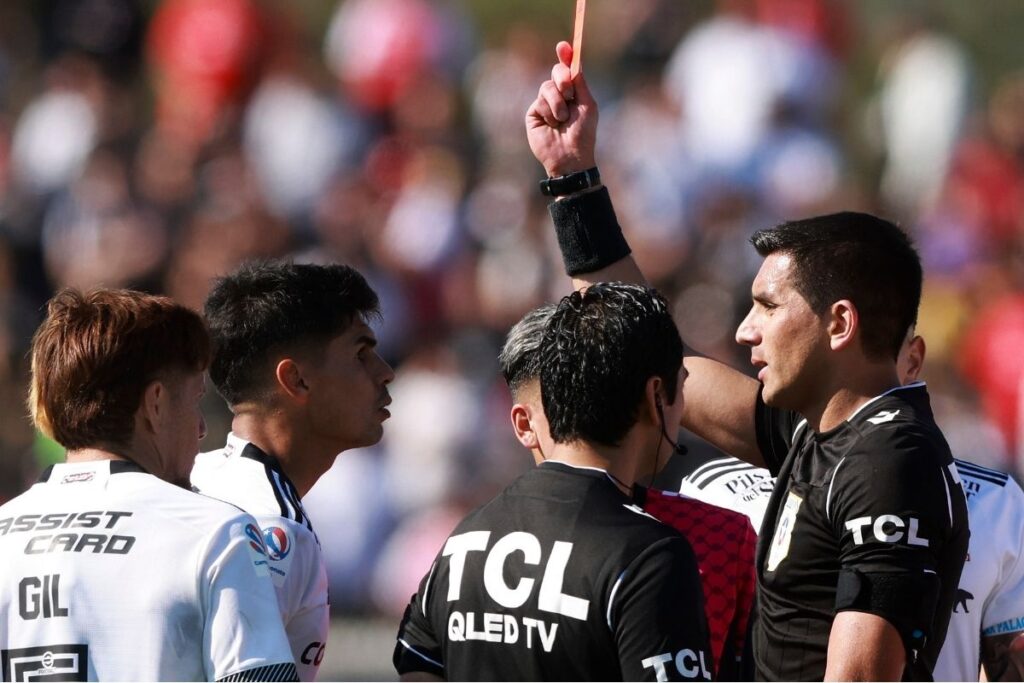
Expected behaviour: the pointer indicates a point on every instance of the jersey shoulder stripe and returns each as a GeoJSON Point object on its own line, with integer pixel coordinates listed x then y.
{"type": "Point", "coordinates": [284, 491]}
{"type": "Point", "coordinates": [715, 469]}
{"type": "Point", "coordinates": [275, 672]}
{"type": "Point", "coordinates": [968, 469]}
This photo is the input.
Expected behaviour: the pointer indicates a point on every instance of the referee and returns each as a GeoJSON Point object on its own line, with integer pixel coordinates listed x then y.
{"type": "Point", "coordinates": [562, 576]}
{"type": "Point", "coordinates": [865, 536]}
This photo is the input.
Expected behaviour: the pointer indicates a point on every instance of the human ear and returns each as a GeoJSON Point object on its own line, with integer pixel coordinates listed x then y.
{"type": "Point", "coordinates": [843, 325]}
{"type": "Point", "coordinates": [154, 405]}
{"type": "Point", "coordinates": [290, 378]}
{"type": "Point", "coordinates": [522, 425]}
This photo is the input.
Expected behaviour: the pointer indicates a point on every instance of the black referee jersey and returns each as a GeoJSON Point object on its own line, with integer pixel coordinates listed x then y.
{"type": "Point", "coordinates": [560, 577]}
{"type": "Point", "coordinates": [870, 517]}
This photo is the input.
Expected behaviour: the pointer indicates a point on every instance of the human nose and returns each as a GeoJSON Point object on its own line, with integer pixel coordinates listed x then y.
{"type": "Point", "coordinates": [387, 373]}
{"type": "Point", "coordinates": [748, 334]}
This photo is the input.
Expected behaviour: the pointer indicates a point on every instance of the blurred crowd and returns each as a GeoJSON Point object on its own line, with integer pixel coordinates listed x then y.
{"type": "Point", "coordinates": [157, 145]}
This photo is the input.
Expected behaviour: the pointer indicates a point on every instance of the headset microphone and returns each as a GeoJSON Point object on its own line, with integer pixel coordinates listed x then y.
{"type": "Point", "coordinates": [679, 448]}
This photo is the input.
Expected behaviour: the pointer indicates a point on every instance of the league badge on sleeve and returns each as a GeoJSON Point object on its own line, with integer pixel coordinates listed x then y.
{"type": "Point", "coordinates": [257, 550]}
{"type": "Point", "coordinates": [277, 542]}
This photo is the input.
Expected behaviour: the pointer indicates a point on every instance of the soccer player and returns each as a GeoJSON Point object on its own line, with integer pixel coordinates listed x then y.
{"type": "Point", "coordinates": [295, 358]}
{"type": "Point", "coordinates": [111, 569]}
{"type": "Point", "coordinates": [722, 539]}
{"type": "Point", "coordinates": [866, 532]}
{"type": "Point", "coordinates": [989, 611]}
{"type": "Point", "coordinates": [561, 576]}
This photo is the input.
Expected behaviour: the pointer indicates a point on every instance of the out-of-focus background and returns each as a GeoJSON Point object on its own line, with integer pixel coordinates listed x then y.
{"type": "Point", "coordinates": [156, 144]}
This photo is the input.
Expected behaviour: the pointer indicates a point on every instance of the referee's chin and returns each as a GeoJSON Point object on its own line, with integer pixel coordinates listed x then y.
{"type": "Point", "coordinates": [778, 398]}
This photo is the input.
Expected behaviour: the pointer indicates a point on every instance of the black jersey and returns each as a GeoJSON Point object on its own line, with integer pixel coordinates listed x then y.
{"type": "Point", "coordinates": [560, 577]}
{"type": "Point", "coordinates": [869, 516]}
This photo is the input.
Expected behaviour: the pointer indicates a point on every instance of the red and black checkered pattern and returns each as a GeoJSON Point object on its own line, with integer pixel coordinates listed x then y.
{"type": "Point", "coordinates": [724, 543]}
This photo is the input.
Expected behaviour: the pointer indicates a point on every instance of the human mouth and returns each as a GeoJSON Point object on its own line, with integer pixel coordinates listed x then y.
{"type": "Point", "coordinates": [762, 368]}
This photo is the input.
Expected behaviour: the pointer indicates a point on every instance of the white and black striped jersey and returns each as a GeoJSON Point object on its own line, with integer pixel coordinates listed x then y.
{"type": "Point", "coordinates": [868, 517]}
{"type": "Point", "coordinates": [990, 597]}
{"type": "Point", "coordinates": [560, 577]}
{"type": "Point", "coordinates": [732, 484]}
{"type": "Point", "coordinates": [243, 475]}
{"type": "Point", "coordinates": [110, 573]}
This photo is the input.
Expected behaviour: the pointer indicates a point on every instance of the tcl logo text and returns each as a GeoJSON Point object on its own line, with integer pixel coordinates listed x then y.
{"type": "Point", "coordinates": [886, 529]}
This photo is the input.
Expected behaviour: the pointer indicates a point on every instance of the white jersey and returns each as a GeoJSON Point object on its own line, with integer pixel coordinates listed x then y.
{"type": "Point", "coordinates": [110, 573]}
{"type": "Point", "coordinates": [732, 484]}
{"type": "Point", "coordinates": [242, 474]}
{"type": "Point", "coordinates": [990, 599]}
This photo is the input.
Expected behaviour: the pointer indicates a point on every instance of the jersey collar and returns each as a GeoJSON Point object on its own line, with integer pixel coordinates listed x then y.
{"type": "Point", "coordinates": [236, 446]}
{"type": "Point", "coordinates": [82, 470]}
{"type": "Point", "coordinates": [595, 472]}
{"type": "Point", "coordinates": [858, 411]}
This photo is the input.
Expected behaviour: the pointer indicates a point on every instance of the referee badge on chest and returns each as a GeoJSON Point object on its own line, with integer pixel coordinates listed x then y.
{"type": "Point", "coordinates": [784, 531]}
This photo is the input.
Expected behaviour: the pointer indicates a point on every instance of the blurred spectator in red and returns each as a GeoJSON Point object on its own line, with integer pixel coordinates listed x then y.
{"type": "Point", "coordinates": [381, 48]}
{"type": "Point", "coordinates": [990, 358]}
{"type": "Point", "coordinates": [206, 56]}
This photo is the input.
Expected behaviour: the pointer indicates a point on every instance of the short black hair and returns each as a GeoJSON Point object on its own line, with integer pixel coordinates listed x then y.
{"type": "Point", "coordinates": [269, 307]}
{"type": "Point", "coordinates": [599, 349]}
{"type": "Point", "coordinates": [520, 356]}
{"type": "Point", "coordinates": [859, 257]}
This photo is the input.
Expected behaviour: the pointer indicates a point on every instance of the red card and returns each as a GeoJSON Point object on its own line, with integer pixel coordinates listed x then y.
{"type": "Point", "coordinates": [577, 39]}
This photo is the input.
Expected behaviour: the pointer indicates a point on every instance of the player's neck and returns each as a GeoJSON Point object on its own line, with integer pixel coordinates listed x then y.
{"type": "Point", "coordinates": [274, 434]}
{"type": "Point", "coordinates": [620, 462]}
{"type": "Point", "coordinates": [91, 455]}
{"type": "Point", "coordinates": [852, 390]}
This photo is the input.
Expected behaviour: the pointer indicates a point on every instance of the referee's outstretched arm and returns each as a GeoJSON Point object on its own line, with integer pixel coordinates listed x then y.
{"type": "Point", "coordinates": [720, 401]}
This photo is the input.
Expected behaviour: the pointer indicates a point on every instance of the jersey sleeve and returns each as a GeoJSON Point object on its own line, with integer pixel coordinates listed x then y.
{"type": "Point", "coordinates": [418, 648]}
{"type": "Point", "coordinates": [891, 507]}
{"type": "Point", "coordinates": [1004, 612]}
{"type": "Point", "coordinates": [296, 568]}
{"type": "Point", "coordinates": [243, 638]}
{"type": "Point", "coordinates": [656, 614]}
{"type": "Point", "coordinates": [774, 429]}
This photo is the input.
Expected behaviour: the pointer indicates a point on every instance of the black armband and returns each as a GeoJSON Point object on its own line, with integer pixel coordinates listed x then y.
{"type": "Point", "coordinates": [906, 600]}
{"type": "Point", "coordinates": [588, 232]}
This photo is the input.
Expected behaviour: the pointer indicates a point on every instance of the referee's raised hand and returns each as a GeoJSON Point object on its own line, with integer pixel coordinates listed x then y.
{"type": "Point", "coordinates": [561, 124]}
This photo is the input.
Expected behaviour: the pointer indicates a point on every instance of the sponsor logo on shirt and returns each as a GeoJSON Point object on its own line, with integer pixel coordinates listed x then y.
{"type": "Point", "coordinates": [886, 529]}
{"type": "Point", "coordinates": [505, 628]}
{"type": "Point", "coordinates": [1008, 626]}
{"type": "Point", "coordinates": [689, 663]}
{"type": "Point", "coordinates": [883, 417]}
{"type": "Point", "coordinates": [277, 542]}
{"type": "Point", "coordinates": [962, 597]}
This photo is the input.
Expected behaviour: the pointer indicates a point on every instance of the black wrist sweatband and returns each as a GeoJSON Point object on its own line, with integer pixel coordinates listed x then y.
{"type": "Point", "coordinates": [588, 232]}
